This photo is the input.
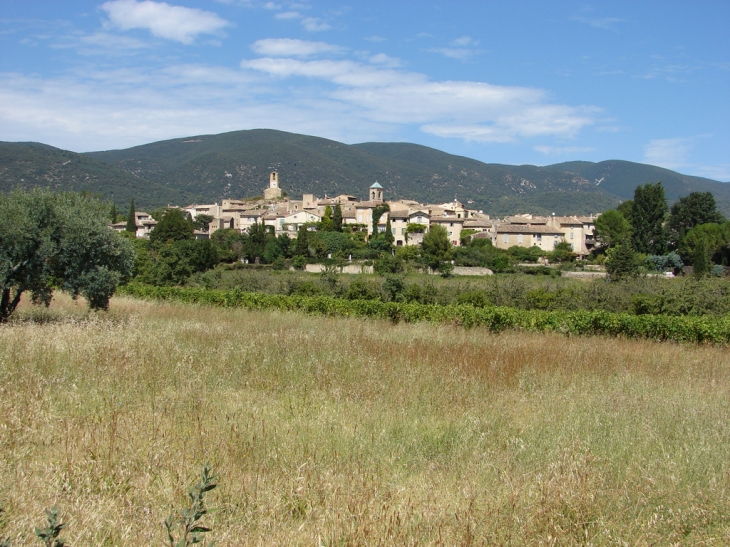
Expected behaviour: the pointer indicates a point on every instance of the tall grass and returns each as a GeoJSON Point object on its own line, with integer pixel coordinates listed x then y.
{"type": "Point", "coordinates": [328, 431]}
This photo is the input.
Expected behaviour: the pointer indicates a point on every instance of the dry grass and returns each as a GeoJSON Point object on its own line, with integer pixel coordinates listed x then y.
{"type": "Point", "coordinates": [348, 432]}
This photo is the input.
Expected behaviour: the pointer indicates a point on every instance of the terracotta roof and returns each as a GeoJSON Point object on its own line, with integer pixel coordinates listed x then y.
{"type": "Point", "coordinates": [477, 224]}
{"type": "Point", "coordinates": [527, 229]}
{"type": "Point", "coordinates": [399, 214]}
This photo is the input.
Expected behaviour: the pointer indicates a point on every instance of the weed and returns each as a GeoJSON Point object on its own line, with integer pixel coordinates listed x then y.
{"type": "Point", "coordinates": [49, 534]}
{"type": "Point", "coordinates": [188, 519]}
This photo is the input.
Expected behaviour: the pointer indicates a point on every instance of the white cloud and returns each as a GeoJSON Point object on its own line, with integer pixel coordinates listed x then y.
{"type": "Point", "coordinates": [668, 153]}
{"type": "Point", "coordinates": [163, 20]}
{"type": "Point", "coordinates": [464, 41]}
{"type": "Point", "coordinates": [716, 172]}
{"type": "Point", "coordinates": [286, 15]}
{"type": "Point", "coordinates": [313, 24]}
{"type": "Point", "coordinates": [469, 110]}
{"type": "Point", "coordinates": [283, 47]}
{"type": "Point", "coordinates": [384, 60]}
{"type": "Point", "coordinates": [562, 150]}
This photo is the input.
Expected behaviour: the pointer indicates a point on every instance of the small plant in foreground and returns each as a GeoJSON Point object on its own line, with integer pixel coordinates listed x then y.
{"type": "Point", "coordinates": [49, 534]}
{"type": "Point", "coordinates": [188, 518]}
{"type": "Point", "coordinates": [3, 542]}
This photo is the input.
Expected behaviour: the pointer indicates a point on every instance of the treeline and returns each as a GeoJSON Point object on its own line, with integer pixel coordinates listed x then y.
{"type": "Point", "coordinates": [646, 231]}
{"type": "Point", "coordinates": [654, 327]}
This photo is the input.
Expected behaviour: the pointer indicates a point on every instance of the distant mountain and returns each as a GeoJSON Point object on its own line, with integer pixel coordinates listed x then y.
{"type": "Point", "coordinates": [207, 168]}
{"type": "Point", "coordinates": [619, 178]}
{"type": "Point", "coordinates": [29, 164]}
{"type": "Point", "coordinates": [237, 164]}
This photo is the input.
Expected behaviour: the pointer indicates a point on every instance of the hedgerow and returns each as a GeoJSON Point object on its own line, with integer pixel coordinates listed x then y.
{"type": "Point", "coordinates": [691, 329]}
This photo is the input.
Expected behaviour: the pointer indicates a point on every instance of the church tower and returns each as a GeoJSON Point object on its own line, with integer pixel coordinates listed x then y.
{"type": "Point", "coordinates": [274, 190]}
{"type": "Point", "coordinates": [376, 192]}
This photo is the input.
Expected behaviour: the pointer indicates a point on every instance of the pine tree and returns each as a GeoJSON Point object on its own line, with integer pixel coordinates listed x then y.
{"type": "Point", "coordinates": [132, 219]}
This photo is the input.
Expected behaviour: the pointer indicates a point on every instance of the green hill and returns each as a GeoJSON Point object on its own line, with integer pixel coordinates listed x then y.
{"type": "Point", "coordinates": [207, 168]}
{"type": "Point", "coordinates": [620, 178]}
{"type": "Point", "coordinates": [28, 165]}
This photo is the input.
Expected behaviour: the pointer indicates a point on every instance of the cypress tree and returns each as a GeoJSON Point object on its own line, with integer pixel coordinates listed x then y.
{"type": "Point", "coordinates": [132, 219]}
{"type": "Point", "coordinates": [302, 246]}
{"type": "Point", "coordinates": [113, 213]}
{"type": "Point", "coordinates": [337, 218]}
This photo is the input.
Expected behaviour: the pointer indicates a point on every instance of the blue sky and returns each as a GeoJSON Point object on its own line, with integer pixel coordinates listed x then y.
{"type": "Point", "coordinates": [520, 82]}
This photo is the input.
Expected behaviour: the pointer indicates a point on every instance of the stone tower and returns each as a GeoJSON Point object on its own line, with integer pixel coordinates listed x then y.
{"type": "Point", "coordinates": [274, 190]}
{"type": "Point", "coordinates": [376, 192]}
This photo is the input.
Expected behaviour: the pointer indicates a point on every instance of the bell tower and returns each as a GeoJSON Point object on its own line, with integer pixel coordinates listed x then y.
{"type": "Point", "coordinates": [376, 192]}
{"type": "Point", "coordinates": [274, 190]}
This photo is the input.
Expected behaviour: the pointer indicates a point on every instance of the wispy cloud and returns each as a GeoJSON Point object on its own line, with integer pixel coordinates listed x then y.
{"type": "Point", "coordinates": [469, 110]}
{"type": "Point", "coordinates": [285, 47]}
{"type": "Point", "coordinates": [562, 150]}
{"type": "Point", "coordinates": [163, 20]}
{"type": "Point", "coordinates": [588, 16]}
{"type": "Point", "coordinates": [286, 15]}
{"type": "Point", "coordinates": [669, 153]}
{"type": "Point", "coordinates": [314, 24]}
{"type": "Point", "coordinates": [462, 48]}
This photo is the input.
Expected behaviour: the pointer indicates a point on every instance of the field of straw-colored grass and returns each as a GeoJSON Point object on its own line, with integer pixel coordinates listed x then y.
{"type": "Point", "coordinates": [352, 432]}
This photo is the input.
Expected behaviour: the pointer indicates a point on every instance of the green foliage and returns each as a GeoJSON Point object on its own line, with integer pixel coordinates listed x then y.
{"type": "Point", "coordinates": [202, 221]}
{"type": "Point", "coordinates": [715, 238]}
{"type": "Point", "coordinates": [131, 219]}
{"type": "Point", "coordinates": [389, 264]}
{"type": "Point", "coordinates": [690, 329]}
{"type": "Point", "coordinates": [50, 241]}
{"type": "Point", "coordinates": [174, 226]}
{"type": "Point", "coordinates": [562, 253]}
{"type": "Point", "coordinates": [690, 211]}
{"type": "Point", "coordinates": [664, 263]}
{"type": "Point", "coordinates": [393, 287]}
{"type": "Point", "coordinates": [700, 261]}
{"type": "Point", "coordinates": [649, 209]}
{"type": "Point", "coordinates": [612, 229]}
{"type": "Point", "coordinates": [526, 254]}
{"type": "Point", "coordinates": [621, 262]}
{"type": "Point", "coordinates": [302, 245]}
{"type": "Point", "coordinates": [436, 246]}
{"type": "Point", "coordinates": [378, 211]}
{"type": "Point", "coordinates": [337, 218]}
{"type": "Point", "coordinates": [49, 534]}
{"type": "Point", "coordinates": [188, 519]}
{"type": "Point", "coordinates": [230, 244]}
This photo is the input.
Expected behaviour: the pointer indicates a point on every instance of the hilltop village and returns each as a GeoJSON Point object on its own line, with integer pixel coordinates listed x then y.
{"type": "Point", "coordinates": [408, 219]}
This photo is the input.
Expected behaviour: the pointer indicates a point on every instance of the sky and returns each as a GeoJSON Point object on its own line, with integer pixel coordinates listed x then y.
{"type": "Point", "coordinates": [519, 82]}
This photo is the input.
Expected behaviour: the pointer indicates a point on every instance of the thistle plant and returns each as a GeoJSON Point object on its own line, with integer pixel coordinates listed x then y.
{"type": "Point", "coordinates": [49, 534]}
{"type": "Point", "coordinates": [188, 519]}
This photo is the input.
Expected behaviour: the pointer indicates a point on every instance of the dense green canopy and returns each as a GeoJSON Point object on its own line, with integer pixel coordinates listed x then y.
{"type": "Point", "coordinates": [50, 240]}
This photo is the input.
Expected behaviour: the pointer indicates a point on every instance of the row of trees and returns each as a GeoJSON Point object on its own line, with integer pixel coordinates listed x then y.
{"type": "Point", "coordinates": [692, 232]}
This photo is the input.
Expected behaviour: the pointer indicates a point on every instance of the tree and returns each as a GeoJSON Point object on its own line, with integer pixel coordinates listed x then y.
{"type": "Point", "coordinates": [131, 219]}
{"type": "Point", "coordinates": [563, 252]}
{"type": "Point", "coordinates": [301, 248]}
{"type": "Point", "coordinates": [327, 224]}
{"type": "Point", "coordinates": [621, 262]}
{"type": "Point", "coordinates": [174, 226]}
{"type": "Point", "coordinates": [690, 211]}
{"type": "Point", "coordinates": [612, 229]}
{"type": "Point", "coordinates": [700, 261]}
{"type": "Point", "coordinates": [202, 221]}
{"type": "Point", "coordinates": [626, 208]}
{"type": "Point", "coordinates": [436, 246]}
{"type": "Point", "coordinates": [337, 218]}
{"type": "Point", "coordinates": [50, 241]}
{"type": "Point", "coordinates": [113, 213]}
{"type": "Point", "coordinates": [649, 209]}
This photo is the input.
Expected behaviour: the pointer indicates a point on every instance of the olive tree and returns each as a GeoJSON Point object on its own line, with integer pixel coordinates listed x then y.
{"type": "Point", "coordinates": [58, 241]}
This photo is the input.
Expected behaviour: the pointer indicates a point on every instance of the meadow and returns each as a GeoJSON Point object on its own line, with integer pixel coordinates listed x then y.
{"type": "Point", "coordinates": [344, 431]}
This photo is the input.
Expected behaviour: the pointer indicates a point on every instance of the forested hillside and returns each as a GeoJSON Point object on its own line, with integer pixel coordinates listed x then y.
{"type": "Point", "coordinates": [207, 168]}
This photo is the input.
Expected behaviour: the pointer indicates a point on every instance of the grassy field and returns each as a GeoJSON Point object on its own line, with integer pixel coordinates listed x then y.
{"type": "Point", "coordinates": [350, 432]}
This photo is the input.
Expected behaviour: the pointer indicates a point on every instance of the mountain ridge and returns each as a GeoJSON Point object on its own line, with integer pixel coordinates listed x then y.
{"type": "Point", "coordinates": [207, 168]}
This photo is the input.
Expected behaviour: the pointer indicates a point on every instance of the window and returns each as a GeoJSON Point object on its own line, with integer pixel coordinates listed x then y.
{"type": "Point", "coordinates": [539, 238]}
{"type": "Point", "coordinates": [506, 238]}
{"type": "Point", "coordinates": [393, 231]}
{"type": "Point", "coordinates": [571, 235]}
{"type": "Point", "coordinates": [519, 238]}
